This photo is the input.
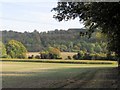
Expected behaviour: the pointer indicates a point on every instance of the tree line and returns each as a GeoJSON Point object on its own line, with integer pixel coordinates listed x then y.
{"type": "Point", "coordinates": [59, 41]}
{"type": "Point", "coordinates": [65, 40]}
{"type": "Point", "coordinates": [15, 49]}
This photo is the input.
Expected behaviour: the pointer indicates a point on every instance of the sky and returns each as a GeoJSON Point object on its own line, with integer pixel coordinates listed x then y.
{"type": "Point", "coordinates": [30, 15]}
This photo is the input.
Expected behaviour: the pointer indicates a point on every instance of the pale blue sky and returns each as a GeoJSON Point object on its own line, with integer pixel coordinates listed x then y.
{"type": "Point", "coordinates": [28, 16]}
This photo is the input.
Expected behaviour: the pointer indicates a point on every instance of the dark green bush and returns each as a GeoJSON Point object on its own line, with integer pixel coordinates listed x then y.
{"type": "Point", "coordinates": [69, 57]}
{"type": "Point", "coordinates": [37, 57]}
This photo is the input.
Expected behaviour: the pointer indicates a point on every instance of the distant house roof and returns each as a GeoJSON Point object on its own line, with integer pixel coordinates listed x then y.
{"type": "Point", "coordinates": [77, 29]}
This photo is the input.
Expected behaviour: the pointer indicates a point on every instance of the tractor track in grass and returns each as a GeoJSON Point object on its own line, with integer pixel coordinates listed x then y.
{"type": "Point", "coordinates": [70, 81]}
{"type": "Point", "coordinates": [97, 78]}
{"type": "Point", "coordinates": [103, 79]}
{"type": "Point", "coordinates": [79, 80]}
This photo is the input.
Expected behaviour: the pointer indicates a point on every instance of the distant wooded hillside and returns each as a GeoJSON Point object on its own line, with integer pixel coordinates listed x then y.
{"type": "Point", "coordinates": [66, 40]}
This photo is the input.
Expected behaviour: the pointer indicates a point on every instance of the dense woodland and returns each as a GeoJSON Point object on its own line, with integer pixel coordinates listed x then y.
{"type": "Point", "coordinates": [66, 40]}
{"type": "Point", "coordinates": [70, 40]}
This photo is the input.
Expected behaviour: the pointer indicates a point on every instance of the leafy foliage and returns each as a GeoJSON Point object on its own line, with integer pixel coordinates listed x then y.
{"type": "Point", "coordinates": [16, 49]}
{"type": "Point", "coordinates": [51, 53]}
{"type": "Point", "coordinates": [65, 40]}
{"type": "Point", "coordinates": [102, 15]}
{"type": "Point", "coordinates": [53, 50]}
{"type": "Point", "coordinates": [2, 50]}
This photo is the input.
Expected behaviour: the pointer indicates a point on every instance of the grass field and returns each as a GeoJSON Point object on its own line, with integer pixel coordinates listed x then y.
{"type": "Point", "coordinates": [58, 75]}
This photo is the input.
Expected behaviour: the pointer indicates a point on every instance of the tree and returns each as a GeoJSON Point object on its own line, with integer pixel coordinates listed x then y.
{"type": "Point", "coordinates": [51, 53]}
{"type": "Point", "coordinates": [16, 49]}
{"type": "Point", "coordinates": [2, 50]}
{"type": "Point", "coordinates": [97, 48]}
{"type": "Point", "coordinates": [54, 52]}
{"type": "Point", "coordinates": [79, 56]}
{"type": "Point", "coordinates": [44, 55]}
{"type": "Point", "coordinates": [90, 48]}
{"type": "Point", "coordinates": [102, 15]}
{"type": "Point", "coordinates": [63, 48]}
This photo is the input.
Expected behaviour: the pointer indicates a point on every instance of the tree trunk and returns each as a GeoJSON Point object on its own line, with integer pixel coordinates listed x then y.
{"type": "Point", "coordinates": [118, 82]}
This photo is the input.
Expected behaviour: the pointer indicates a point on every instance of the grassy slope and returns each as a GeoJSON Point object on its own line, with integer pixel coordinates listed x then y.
{"type": "Point", "coordinates": [49, 75]}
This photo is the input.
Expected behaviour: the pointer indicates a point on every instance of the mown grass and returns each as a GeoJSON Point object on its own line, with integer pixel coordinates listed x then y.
{"type": "Point", "coordinates": [50, 75]}
{"type": "Point", "coordinates": [43, 66]}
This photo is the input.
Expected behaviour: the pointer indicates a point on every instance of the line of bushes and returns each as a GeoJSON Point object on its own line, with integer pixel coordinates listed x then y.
{"type": "Point", "coordinates": [87, 56]}
{"type": "Point", "coordinates": [63, 61]}
{"type": "Point", "coordinates": [79, 56]}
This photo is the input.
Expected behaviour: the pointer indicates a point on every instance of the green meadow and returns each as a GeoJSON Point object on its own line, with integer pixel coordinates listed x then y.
{"type": "Point", "coordinates": [37, 74]}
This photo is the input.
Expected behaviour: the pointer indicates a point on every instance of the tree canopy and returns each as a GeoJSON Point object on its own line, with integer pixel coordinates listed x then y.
{"type": "Point", "coordinates": [65, 40]}
{"type": "Point", "coordinates": [2, 50]}
{"type": "Point", "coordinates": [16, 49]}
{"type": "Point", "coordinates": [102, 15]}
{"type": "Point", "coordinates": [53, 50]}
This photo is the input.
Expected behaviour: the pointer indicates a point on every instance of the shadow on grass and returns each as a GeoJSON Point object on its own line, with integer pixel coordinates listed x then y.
{"type": "Point", "coordinates": [60, 78]}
